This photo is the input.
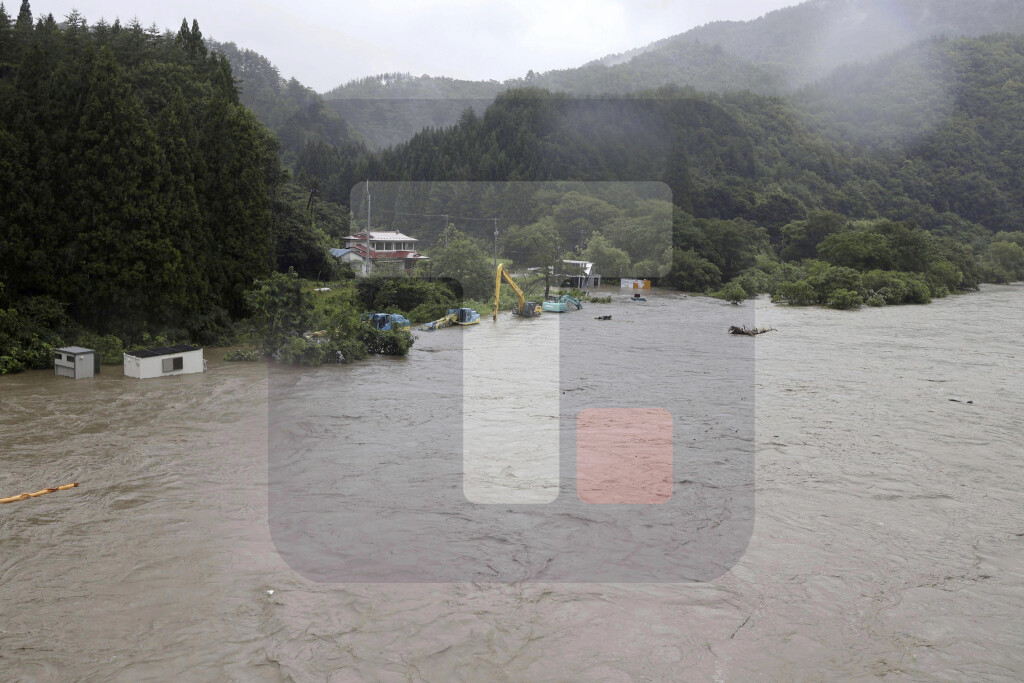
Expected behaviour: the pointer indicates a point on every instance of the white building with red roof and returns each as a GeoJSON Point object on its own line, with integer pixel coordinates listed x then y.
{"type": "Point", "coordinates": [385, 246]}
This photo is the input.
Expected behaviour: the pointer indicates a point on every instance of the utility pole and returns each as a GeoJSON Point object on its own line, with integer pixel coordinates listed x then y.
{"type": "Point", "coordinates": [369, 205]}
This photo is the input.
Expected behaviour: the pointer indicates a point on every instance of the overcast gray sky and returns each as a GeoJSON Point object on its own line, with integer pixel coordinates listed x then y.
{"type": "Point", "coordinates": [324, 43]}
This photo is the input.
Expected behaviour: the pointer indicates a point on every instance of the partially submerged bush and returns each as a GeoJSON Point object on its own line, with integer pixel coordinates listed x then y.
{"type": "Point", "coordinates": [386, 342]}
{"type": "Point", "coordinates": [897, 288]}
{"type": "Point", "coordinates": [427, 312]}
{"type": "Point", "coordinates": [754, 282]}
{"type": "Point", "coordinates": [29, 333]}
{"type": "Point", "coordinates": [834, 278]}
{"type": "Point", "coordinates": [247, 355]}
{"type": "Point", "coordinates": [692, 273]}
{"type": "Point", "coordinates": [799, 293]}
{"type": "Point", "coordinates": [845, 300]}
{"type": "Point", "coordinates": [403, 294]}
{"type": "Point", "coordinates": [732, 292]}
{"type": "Point", "coordinates": [302, 351]}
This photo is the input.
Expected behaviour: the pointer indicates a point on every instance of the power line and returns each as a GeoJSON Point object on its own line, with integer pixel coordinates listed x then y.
{"type": "Point", "coordinates": [439, 215]}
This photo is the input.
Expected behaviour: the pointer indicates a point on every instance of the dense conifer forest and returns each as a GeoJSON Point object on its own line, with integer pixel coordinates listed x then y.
{"type": "Point", "coordinates": [140, 196]}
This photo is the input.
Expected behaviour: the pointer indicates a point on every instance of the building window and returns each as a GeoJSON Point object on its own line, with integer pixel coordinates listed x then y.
{"type": "Point", "coordinates": [172, 364]}
{"type": "Point", "coordinates": [57, 356]}
{"type": "Point", "coordinates": [71, 359]}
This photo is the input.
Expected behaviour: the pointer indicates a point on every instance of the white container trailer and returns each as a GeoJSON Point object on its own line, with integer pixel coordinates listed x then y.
{"type": "Point", "coordinates": [164, 361]}
{"type": "Point", "coordinates": [75, 362]}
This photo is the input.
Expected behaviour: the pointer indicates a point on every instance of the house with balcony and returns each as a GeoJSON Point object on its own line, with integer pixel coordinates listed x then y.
{"type": "Point", "coordinates": [385, 247]}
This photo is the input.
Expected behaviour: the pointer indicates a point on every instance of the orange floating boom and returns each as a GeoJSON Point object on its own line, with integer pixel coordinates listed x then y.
{"type": "Point", "coordinates": [43, 492]}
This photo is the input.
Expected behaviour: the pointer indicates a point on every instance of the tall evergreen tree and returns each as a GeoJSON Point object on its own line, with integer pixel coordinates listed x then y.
{"type": "Point", "coordinates": [24, 22]}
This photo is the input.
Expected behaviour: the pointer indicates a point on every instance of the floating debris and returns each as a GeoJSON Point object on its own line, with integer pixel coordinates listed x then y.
{"type": "Point", "coordinates": [750, 331]}
{"type": "Point", "coordinates": [603, 317]}
{"type": "Point", "coordinates": [43, 492]}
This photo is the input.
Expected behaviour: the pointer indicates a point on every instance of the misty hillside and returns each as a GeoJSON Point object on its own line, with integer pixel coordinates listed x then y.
{"type": "Point", "coordinates": [296, 113]}
{"type": "Point", "coordinates": [761, 158]}
{"type": "Point", "coordinates": [811, 40]}
{"type": "Point", "coordinates": [776, 53]}
{"type": "Point", "coordinates": [403, 86]}
{"type": "Point", "coordinates": [927, 134]}
{"type": "Point", "coordinates": [391, 108]}
{"type": "Point", "coordinates": [899, 99]}
{"type": "Point", "coordinates": [704, 67]}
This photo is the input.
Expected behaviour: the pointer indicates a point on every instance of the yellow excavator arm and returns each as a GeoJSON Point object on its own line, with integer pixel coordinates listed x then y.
{"type": "Point", "coordinates": [502, 273]}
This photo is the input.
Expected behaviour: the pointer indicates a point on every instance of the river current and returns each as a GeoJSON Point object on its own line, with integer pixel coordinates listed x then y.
{"type": "Point", "coordinates": [885, 533]}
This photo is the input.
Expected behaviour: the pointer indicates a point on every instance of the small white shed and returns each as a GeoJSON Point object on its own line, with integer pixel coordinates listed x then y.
{"type": "Point", "coordinates": [163, 361]}
{"type": "Point", "coordinates": [75, 362]}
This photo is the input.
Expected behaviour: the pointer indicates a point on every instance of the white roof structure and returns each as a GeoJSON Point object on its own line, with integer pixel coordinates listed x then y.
{"type": "Point", "coordinates": [75, 350]}
{"type": "Point", "coordinates": [383, 236]}
{"type": "Point", "coordinates": [586, 265]}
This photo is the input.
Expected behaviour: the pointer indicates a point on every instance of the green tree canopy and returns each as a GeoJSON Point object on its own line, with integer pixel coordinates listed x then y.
{"type": "Point", "coordinates": [460, 257]}
{"type": "Point", "coordinates": [608, 261]}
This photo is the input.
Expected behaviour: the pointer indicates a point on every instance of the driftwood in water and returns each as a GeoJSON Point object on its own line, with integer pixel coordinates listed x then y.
{"type": "Point", "coordinates": [43, 492]}
{"type": "Point", "coordinates": [603, 317]}
{"type": "Point", "coordinates": [750, 331]}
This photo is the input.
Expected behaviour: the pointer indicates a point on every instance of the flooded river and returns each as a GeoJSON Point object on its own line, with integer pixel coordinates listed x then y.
{"type": "Point", "coordinates": [876, 528]}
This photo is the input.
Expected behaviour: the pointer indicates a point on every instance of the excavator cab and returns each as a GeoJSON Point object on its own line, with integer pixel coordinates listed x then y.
{"type": "Point", "coordinates": [530, 310]}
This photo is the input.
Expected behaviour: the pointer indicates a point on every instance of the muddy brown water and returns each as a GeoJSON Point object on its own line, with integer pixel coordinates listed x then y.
{"type": "Point", "coordinates": [888, 536]}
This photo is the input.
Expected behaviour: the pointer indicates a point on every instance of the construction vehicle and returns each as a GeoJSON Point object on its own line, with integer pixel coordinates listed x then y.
{"type": "Point", "coordinates": [524, 308]}
{"type": "Point", "coordinates": [561, 305]}
{"type": "Point", "coordinates": [386, 321]}
{"type": "Point", "coordinates": [456, 316]}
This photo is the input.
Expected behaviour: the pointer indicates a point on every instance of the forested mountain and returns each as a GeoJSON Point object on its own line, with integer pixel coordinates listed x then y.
{"type": "Point", "coordinates": [139, 193]}
{"type": "Point", "coordinates": [948, 111]}
{"type": "Point", "coordinates": [403, 86]}
{"type": "Point", "coordinates": [810, 40]}
{"type": "Point", "coordinates": [295, 113]}
{"type": "Point", "coordinates": [774, 54]}
{"type": "Point", "coordinates": [744, 155]}
{"type": "Point", "coordinates": [743, 165]}
{"type": "Point", "coordinates": [894, 102]}
{"type": "Point", "coordinates": [701, 66]}
{"type": "Point", "coordinates": [390, 108]}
